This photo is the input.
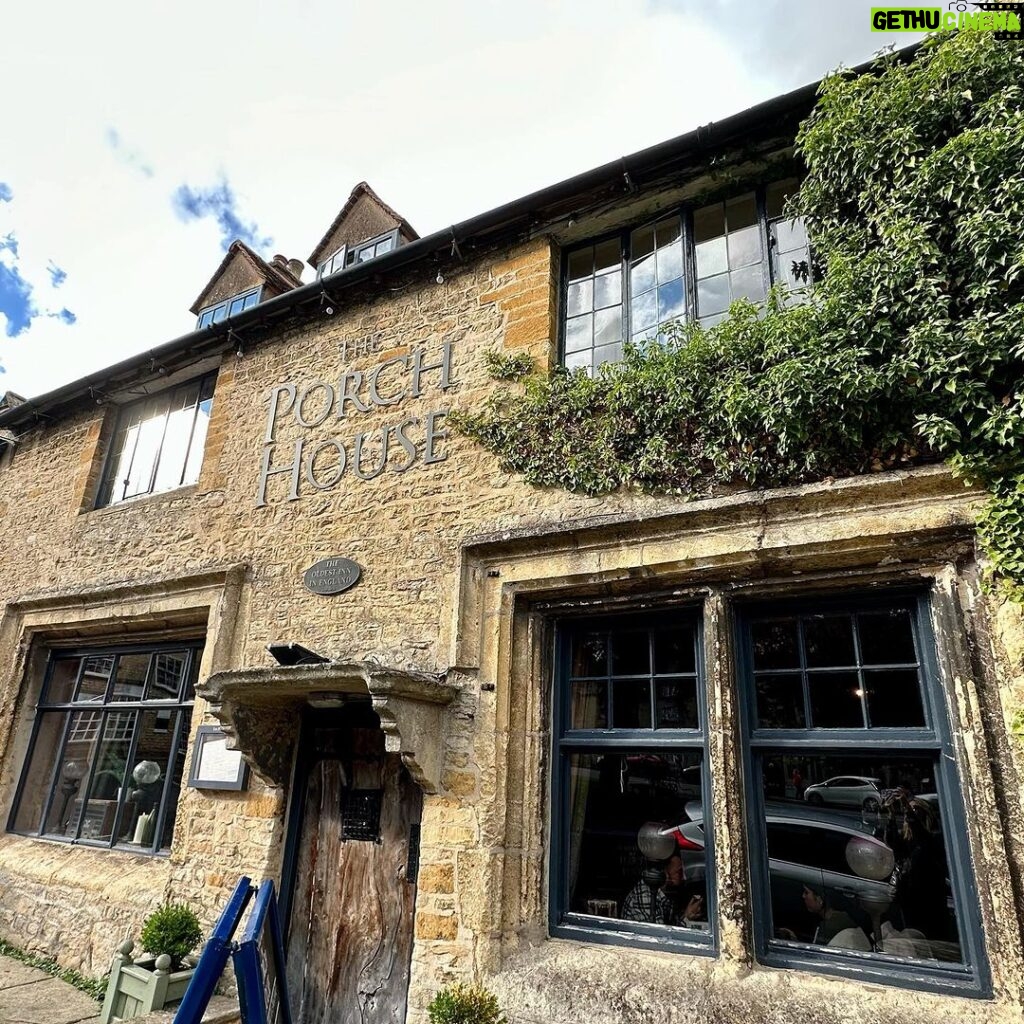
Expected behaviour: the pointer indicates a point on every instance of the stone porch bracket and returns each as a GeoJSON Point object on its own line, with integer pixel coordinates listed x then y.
{"type": "Point", "coordinates": [260, 710]}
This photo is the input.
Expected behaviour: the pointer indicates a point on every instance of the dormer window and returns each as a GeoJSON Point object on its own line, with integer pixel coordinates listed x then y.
{"type": "Point", "coordinates": [348, 256]}
{"type": "Point", "coordinates": [228, 307]}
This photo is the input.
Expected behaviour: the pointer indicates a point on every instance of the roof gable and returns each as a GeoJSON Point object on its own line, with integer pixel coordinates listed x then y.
{"type": "Point", "coordinates": [243, 268]}
{"type": "Point", "coordinates": [363, 216]}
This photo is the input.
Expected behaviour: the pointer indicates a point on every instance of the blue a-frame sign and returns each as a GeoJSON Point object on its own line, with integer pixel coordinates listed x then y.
{"type": "Point", "coordinates": [258, 960]}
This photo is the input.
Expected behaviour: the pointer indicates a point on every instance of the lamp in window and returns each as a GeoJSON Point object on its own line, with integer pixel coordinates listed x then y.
{"type": "Point", "coordinates": [71, 773]}
{"type": "Point", "coordinates": [146, 776]}
{"type": "Point", "coordinates": [656, 847]}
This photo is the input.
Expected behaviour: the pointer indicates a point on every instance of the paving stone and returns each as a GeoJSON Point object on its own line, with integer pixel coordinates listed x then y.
{"type": "Point", "coordinates": [50, 1001]}
{"type": "Point", "coordinates": [13, 972]}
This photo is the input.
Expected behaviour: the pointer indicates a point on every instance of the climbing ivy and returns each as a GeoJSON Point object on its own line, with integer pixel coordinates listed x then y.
{"type": "Point", "coordinates": [910, 349]}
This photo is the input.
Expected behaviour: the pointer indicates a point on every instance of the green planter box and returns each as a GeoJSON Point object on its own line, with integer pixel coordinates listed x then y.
{"type": "Point", "coordinates": [138, 988]}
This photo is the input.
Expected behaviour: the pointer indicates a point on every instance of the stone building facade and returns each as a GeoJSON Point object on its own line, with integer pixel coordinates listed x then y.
{"type": "Point", "coordinates": [327, 438]}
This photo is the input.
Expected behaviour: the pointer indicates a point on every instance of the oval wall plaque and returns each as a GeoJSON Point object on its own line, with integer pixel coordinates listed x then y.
{"type": "Point", "coordinates": [331, 576]}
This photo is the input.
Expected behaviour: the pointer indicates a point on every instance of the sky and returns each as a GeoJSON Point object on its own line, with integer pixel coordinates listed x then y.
{"type": "Point", "coordinates": [138, 140]}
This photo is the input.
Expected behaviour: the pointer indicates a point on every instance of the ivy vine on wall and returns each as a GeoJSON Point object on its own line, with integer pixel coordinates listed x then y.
{"type": "Point", "coordinates": [910, 349]}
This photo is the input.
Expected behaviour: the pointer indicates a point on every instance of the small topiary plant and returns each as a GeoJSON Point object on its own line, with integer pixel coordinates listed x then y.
{"type": "Point", "coordinates": [463, 1004]}
{"type": "Point", "coordinates": [172, 929]}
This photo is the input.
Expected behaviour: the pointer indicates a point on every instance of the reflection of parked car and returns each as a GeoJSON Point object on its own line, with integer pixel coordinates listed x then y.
{"type": "Point", "coordinates": [846, 791]}
{"type": "Point", "coordinates": [813, 849]}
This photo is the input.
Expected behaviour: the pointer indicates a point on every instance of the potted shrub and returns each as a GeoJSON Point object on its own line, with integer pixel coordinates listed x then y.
{"type": "Point", "coordinates": [138, 987]}
{"type": "Point", "coordinates": [463, 1004]}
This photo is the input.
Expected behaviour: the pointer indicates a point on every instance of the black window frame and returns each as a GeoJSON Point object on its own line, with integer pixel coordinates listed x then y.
{"type": "Point", "coordinates": [206, 383]}
{"type": "Point", "coordinates": [972, 977]}
{"type": "Point", "coordinates": [684, 212]}
{"type": "Point", "coordinates": [181, 709]}
{"type": "Point", "coordinates": [563, 923]}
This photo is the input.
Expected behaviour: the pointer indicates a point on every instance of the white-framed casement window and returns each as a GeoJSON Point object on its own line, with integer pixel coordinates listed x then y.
{"type": "Point", "coordinates": [228, 307]}
{"type": "Point", "coordinates": [362, 252]}
{"type": "Point", "coordinates": [689, 264]}
{"type": "Point", "coordinates": [158, 442]}
{"type": "Point", "coordinates": [105, 761]}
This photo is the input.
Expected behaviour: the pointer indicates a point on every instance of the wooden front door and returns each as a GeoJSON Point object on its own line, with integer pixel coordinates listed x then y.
{"type": "Point", "coordinates": [350, 912]}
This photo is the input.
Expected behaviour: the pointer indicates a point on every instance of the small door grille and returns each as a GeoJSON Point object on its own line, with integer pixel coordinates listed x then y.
{"type": "Point", "coordinates": [360, 814]}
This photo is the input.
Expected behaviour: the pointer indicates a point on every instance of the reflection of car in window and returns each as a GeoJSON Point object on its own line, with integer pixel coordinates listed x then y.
{"type": "Point", "coordinates": [846, 791]}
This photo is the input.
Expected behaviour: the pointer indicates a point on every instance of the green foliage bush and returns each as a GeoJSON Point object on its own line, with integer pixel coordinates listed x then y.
{"type": "Point", "coordinates": [910, 349]}
{"type": "Point", "coordinates": [460, 1004]}
{"type": "Point", "coordinates": [172, 929]}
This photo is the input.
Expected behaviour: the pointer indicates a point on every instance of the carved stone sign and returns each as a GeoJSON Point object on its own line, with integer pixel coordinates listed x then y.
{"type": "Point", "coordinates": [323, 445]}
{"type": "Point", "coordinates": [331, 576]}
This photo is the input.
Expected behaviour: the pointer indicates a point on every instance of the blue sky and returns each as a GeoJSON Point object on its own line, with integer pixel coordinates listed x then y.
{"type": "Point", "coordinates": [145, 141]}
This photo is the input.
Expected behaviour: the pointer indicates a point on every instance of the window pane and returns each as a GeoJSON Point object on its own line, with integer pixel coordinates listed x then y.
{"type": "Point", "coordinates": [130, 680]}
{"type": "Point", "coordinates": [641, 243]}
{"type": "Point", "coordinates": [579, 333]}
{"type": "Point", "coordinates": [93, 685]}
{"type": "Point", "coordinates": [175, 772]}
{"type": "Point", "coordinates": [836, 700]}
{"type": "Point", "coordinates": [581, 263]}
{"type": "Point", "coordinates": [576, 360]}
{"type": "Point", "coordinates": [643, 275]}
{"type": "Point", "coordinates": [631, 653]}
{"type": "Point", "coordinates": [147, 447]}
{"type": "Point", "coordinates": [829, 641]}
{"type": "Point", "coordinates": [607, 326]}
{"type": "Point", "coordinates": [236, 306]}
{"type": "Point", "coordinates": [590, 654]}
{"type": "Point", "coordinates": [790, 235]}
{"type": "Point", "coordinates": [61, 686]}
{"type": "Point", "coordinates": [777, 193]}
{"type": "Point", "coordinates": [894, 698]}
{"type": "Point", "coordinates": [97, 818]}
{"type": "Point", "coordinates": [713, 294]}
{"type": "Point", "coordinates": [608, 290]}
{"type": "Point", "coordinates": [39, 772]}
{"type": "Point", "coordinates": [607, 256]}
{"type": "Point", "coordinates": [618, 863]}
{"type": "Point", "coordinates": [148, 777]}
{"type": "Point", "coordinates": [712, 258]}
{"type": "Point", "coordinates": [670, 261]}
{"type": "Point", "coordinates": [198, 444]}
{"type": "Point", "coordinates": [747, 284]}
{"type": "Point", "coordinates": [385, 245]}
{"type": "Point", "coordinates": [674, 651]}
{"type": "Point", "coordinates": [887, 638]}
{"type": "Point", "coordinates": [580, 298]}
{"type": "Point", "coordinates": [780, 701]}
{"type": "Point", "coordinates": [220, 313]}
{"type": "Point", "coordinates": [644, 311]}
{"type": "Point", "coordinates": [744, 247]}
{"type": "Point", "coordinates": [676, 703]}
{"type": "Point", "coordinates": [178, 432]}
{"type": "Point", "coordinates": [741, 212]}
{"type": "Point", "coordinates": [167, 675]}
{"type": "Point", "coordinates": [608, 354]}
{"type": "Point", "coordinates": [589, 704]}
{"type": "Point", "coordinates": [776, 644]}
{"type": "Point", "coordinates": [857, 854]}
{"type": "Point", "coordinates": [708, 223]}
{"type": "Point", "coordinates": [671, 301]}
{"type": "Point", "coordinates": [631, 704]}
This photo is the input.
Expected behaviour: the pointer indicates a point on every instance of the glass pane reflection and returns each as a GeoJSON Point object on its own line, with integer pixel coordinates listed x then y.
{"type": "Point", "coordinates": [857, 854]}
{"type": "Point", "coordinates": [636, 847]}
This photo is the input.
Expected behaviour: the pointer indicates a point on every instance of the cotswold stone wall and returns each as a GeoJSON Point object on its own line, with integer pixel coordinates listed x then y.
{"type": "Point", "coordinates": [458, 559]}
